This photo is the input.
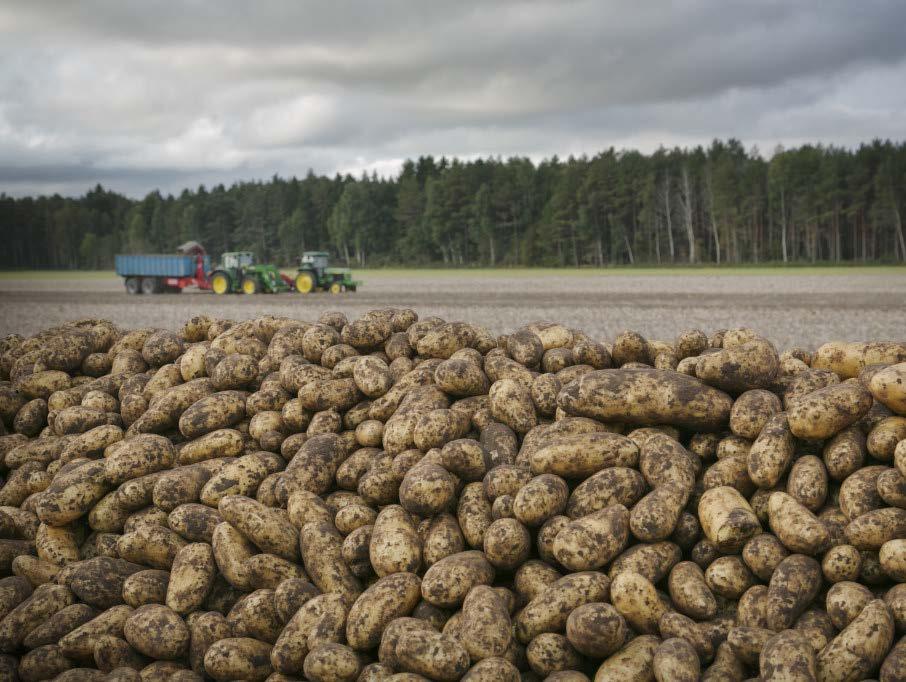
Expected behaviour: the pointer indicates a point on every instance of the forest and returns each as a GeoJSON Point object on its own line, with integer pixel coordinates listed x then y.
{"type": "Point", "coordinates": [720, 204]}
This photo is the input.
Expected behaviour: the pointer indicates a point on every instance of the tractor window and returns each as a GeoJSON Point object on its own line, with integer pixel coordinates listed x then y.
{"type": "Point", "coordinates": [245, 259]}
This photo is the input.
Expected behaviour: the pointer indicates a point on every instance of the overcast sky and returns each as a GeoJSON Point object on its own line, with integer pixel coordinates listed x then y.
{"type": "Point", "coordinates": [145, 94]}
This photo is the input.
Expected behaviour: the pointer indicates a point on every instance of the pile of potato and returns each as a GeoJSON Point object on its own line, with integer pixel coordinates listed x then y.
{"type": "Point", "coordinates": [391, 498]}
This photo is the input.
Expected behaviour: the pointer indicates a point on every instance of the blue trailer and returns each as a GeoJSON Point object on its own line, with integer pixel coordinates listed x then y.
{"type": "Point", "coordinates": [160, 273]}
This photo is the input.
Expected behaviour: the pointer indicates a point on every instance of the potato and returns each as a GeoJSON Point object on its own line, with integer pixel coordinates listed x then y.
{"type": "Point", "coordinates": [619, 395]}
{"type": "Point", "coordinates": [655, 516]}
{"type": "Point", "coordinates": [795, 526]}
{"type": "Point", "coordinates": [390, 597]}
{"type": "Point", "coordinates": [886, 385]}
{"type": "Point", "coordinates": [788, 656]}
{"type": "Point", "coordinates": [860, 647]}
{"type": "Point", "coordinates": [157, 631]}
{"type": "Point", "coordinates": [58, 625]}
{"type": "Point", "coordinates": [793, 586]}
{"type": "Point", "coordinates": [675, 659]}
{"type": "Point", "coordinates": [217, 411]}
{"type": "Point", "coordinates": [236, 658]}
{"type": "Point", "coordinates": [727, 519]}
{"type": "Point", "coordinates": [596, 629]}
{"type": "Point", "coordinates": [848, 359]}
{"type": "Point", "coordinates": [751, 411]}
{"type": "Point", "coordinates": [827, 411]}
{"type": "Point", "coordinates": [80, 642]}
{"type": "Point", "coordinates": [592, 541]}
{"type": "Point", "coordinates": [32, 612]}
{"type": "Point", "coordinates": [634, 661]}
{"type": "Point", "coordinates": [511, 404]}
{"type": "Point", "coordinates": [320, 546]}
{"type": "Point", "coordinates": [873, 528]}
{"type": "Point", "coordinates": [431, 654]}
{"type": "Point", "coordinates": [583, 454]}
{"type": "Point", "coordinates": [739, 368]}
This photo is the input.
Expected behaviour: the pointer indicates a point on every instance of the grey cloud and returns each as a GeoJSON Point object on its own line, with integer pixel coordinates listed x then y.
{"type": "Point", "coordinates": [144, 95]}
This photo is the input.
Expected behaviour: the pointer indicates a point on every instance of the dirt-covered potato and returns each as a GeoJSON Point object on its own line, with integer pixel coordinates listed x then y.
{"type": "Point", "coordinates": [827, 411]}
{"type": "Point", "coordinates": [623, 396]}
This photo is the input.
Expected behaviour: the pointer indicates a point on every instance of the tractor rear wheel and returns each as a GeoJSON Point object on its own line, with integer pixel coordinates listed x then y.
{"type": "Point", "coordinates": [133, 286]}
{"type": "Point", "coordinates": [336, 288]}
{"type": "Point", "coordinates": [150, 285]}
{"type": "Point", "coordinates": [220, 283]}
{"type": "Point", "coordinates": [305, 283]}
{"type": "Point", "coordinates": [250, 285]}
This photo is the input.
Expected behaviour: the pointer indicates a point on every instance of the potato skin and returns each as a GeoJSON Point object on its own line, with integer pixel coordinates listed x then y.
{"type": "Point", "coordinates": [634, 661]}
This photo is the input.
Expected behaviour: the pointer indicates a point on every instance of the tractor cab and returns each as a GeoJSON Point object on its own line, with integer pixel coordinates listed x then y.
{"type": "Point", "coordinates": [315, 260]}
{"type": "Point", "coordinates": [235, 260]}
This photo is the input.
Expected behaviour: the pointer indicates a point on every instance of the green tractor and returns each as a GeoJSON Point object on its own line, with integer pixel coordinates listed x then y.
{"type": "Point", "coordinates": [238, 272]}
{"type": "Point", "coordinates": [314, 274]}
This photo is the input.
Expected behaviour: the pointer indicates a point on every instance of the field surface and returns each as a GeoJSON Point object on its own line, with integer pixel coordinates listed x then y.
{"type": "Point", "coordinates": [796, 306]}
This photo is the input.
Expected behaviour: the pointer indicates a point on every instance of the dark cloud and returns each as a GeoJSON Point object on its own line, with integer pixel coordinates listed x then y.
{"type": "Point", "coordinates": [154, 94]}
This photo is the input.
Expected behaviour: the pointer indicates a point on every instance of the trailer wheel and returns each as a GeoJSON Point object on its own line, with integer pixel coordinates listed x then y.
{"type": "Point", "coordinates": [133, 286]}
{"type": "Point", "coordinates": [150, 285]}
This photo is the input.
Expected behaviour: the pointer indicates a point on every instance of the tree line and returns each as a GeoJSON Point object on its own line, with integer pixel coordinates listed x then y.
{"type": "Point", "coordinates": [717, 205]}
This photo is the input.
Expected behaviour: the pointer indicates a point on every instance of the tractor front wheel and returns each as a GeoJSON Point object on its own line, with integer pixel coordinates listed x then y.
{"type": "Point", "coordinates": [250, 285]}
{"type": "Point", "coordinates": [336, 288]}
{"type": "Point", "coordinates": [220, 283]}
{"type": "Point", "coordinates": [305, 283]}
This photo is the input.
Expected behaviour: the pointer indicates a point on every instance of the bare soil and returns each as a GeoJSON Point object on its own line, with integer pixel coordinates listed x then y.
{"type": "Point", "coordinates": [791, 309]}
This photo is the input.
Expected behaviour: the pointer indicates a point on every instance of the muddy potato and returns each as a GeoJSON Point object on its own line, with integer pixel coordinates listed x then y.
{"type": "Point", "coordinates": [859, 492]}
{"type": "Point", "coordinates": [541, 498]}
{"type": "Point", "coordinates": [391, 597]}
{"type": "Point", "coordinates": [431, 654]}
{"type": "Point", "coordinates": [157, 631]}
{"type": "Point", "coordinates": [634, 661]}
{"type": "Point", "coordinates": [795, 526]}
{"type": "Point", "coordinates": [442, 538]}
{"type": "Point", "coordinates": [191, 577]}
{"type": "Point", "coordinates": [637, 600]}
{"type": "Point", "coordinates": [739, 368]}
{"type": "Point", "coordinates": [675, 659]}
{"type": "Point", "coordinates": [762, 553]}
{"type": "Point", "coordinates": [845, 601]}
{"type": "Point", "coordinates": [551, 652]}
{"type": "Point", "coordinates": [869, 531]}
{"type": "Point", "coordinates": [41, 663]}
{"type": "Point", "coordinates": [591, 541]}
{"type": "Point", "coordinates": [788, 656]}
{"type": "Point", "coordinates": [549, 609]}
{"type": "Point", "coordinates": [80, 642]}
{"type": "Point", "coordinates": [321, 549]}
{"type": "Point", "coordinates": [807, 482]}
{"type": "Point", "coordinates": [827, 411]}
{"type": "Point", "coordinates": [860, 647]}
{"type": "Point", "coordinates": [596, 629]}
{"type": "Point", "coordinates": [794, 584]}
{"type": "Point", "coordinates": [728, 577]}
{"type": "Point", "coordinates": [493, 670]}
{"type": "Point", "coordinates": [238, 658]}
{"type": "Point", "coordinates": [486, 631]}
{"type": "Point", "coordinates": [584, 454]}
{"type": "Point", "coordinates": [689, 592]}
{"type": "Point", "coordinates": [511, 404]}
{"type": "Point", "coordinates": [772, 452]}
{"type": "Point", "coordinates": [882, 439]}
{"type": "Point", "coordinates": [146, 587]}
{"type": "Point", "coordinates": [726, 518]}
{"type": "Point", "coordinates": [218, 411]}
{"type": "Point", "coordinates": [886, 385]}
{"type": "Point", "coordinates": [623, 396]}
{"type": "Point", "coordinates": [751, 411]}
{"type": "Point", "coordinates": [655, 516]}
{"type": "Point", "coordinates": [194, 522]}
{"type": "Point", "coordinates": [653, 560]}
